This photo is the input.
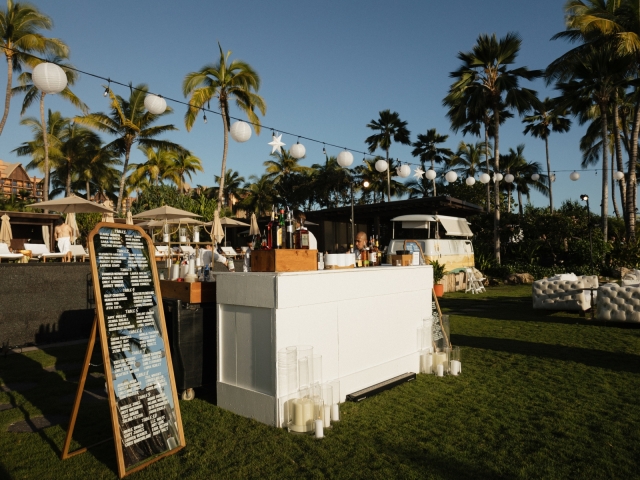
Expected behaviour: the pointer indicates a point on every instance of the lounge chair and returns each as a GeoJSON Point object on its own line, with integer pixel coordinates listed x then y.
{"type": "Point", "coordinates": [564, 292]}
{"type": "Point", "coordinates": [79, 253]}
{"type": "Point", "coordinates": [41, 252]}
{"type": "Point", "coordinates": [229, 252]}
{"type": "Point", "coordinates": [5, 254]}
{"type": "Point", "coordinates": [618, 303]}
{"type": "Point", "coordinates": [162, 252]}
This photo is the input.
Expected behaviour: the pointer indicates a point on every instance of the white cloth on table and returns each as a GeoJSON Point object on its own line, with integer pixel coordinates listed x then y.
{"type": "Point", "coordinates": [64, 244]}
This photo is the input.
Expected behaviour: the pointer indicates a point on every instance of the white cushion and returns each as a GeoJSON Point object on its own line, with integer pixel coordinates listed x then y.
{"type": "Point", "coordinates": [4, 248]}
{"type": "Point", "coordinates": [78, 250]}
{"type": "Point", "coordinates": [37, 249]}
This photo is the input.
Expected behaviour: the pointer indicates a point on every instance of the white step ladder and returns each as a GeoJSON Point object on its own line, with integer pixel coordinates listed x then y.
{"type": "Point", "coordinates": [474, 281]}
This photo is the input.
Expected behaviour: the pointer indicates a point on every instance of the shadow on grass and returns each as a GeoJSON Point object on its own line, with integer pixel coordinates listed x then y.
{"type": "Point", "coordinates": [619, 362]}
{"type": "Point", "coordinates": [51, 396]}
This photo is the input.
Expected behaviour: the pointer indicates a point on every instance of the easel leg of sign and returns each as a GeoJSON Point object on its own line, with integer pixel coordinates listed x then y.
{"type": "Point", "coordinates": [76, 404]}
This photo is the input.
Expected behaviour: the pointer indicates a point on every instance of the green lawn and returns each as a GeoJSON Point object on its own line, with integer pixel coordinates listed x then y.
{"type": "Point", "coordinates": [541, 396]}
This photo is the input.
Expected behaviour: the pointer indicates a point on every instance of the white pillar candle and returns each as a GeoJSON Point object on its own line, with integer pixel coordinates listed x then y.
{"type": "Point", "coordinates": [298, 413]}
{"type": "Point", "coordinates": [335, 412]}
{"type": "Point", "coordinates": [425, 362]}
{"type": "Point", "coordinates": [455, 367]}
{"type": "Point", "coordinates": [319, 429]}
{"type": "Point", "coordinates": [326, 415]}
{"type": "Point", "coordinates": [165, 237]}
{"type": "Point", "coordinates": [175, 271]}
{"type": "Point", "coordinates": [440, 370]}
{"type": "Point", "coordinates": [196, 236]}
{"type": "Point", "coordinates": [308, 412]}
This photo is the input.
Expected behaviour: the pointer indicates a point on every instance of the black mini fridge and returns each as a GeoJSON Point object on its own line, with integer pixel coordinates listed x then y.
{"type": "Point", "coordinates": [191, 329]}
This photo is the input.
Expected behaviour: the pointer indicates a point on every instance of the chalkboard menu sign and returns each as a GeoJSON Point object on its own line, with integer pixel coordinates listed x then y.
{"type": "Point", "coordinates": [144, 406]}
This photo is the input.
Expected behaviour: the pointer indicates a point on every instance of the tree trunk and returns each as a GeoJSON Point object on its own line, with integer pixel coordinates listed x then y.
{"type": "Point", "coordinates": [67, 186]}
{"type": "Point", "coordinates": [388, 178]}
{"type": "Point", "coordinates": [613, 191]}
{"type": "Point", "coordinates": [604, 210]}
{"type": "Point", "coordinates": [127, 152]}
{"type": "Point", "coordinates": [619, 162]}
{"type": "Point", "coordinates": [496, 215]}
{"type": "Point", "coordinates": [225, 113]}
{"type": "Point", "coordinates": [433, 181]}
{"type": "Point", "coordinates": [546, 147]}
{"type": "Point", "coordinates": [631, 178]}
{"type": "Point", "coordinates": [45, 146]}
{"type": "Point", "coordinates": [88, 188]}
{"type": "Point", "coordinates": [7, 97]}
{"type": "Point", "coordinates": [520, 209]}
{"type": "Point", "coordinates": [486, 157]}
{"type": "Point", "coordinates": [508, 196]}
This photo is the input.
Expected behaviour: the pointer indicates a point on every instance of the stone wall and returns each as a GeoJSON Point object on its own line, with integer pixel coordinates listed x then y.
{"type": "Point", "coordinates": [44, 302]}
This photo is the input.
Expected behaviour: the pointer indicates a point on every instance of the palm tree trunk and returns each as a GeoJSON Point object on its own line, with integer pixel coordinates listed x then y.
{"type": "Point", "coordinates": [67, 186]}
{"type": "Point", "coordinates": [546, 147]}
{"type": "Point", "coordinates": [45, 146]}
{"type": "Point", "coordinates": [225, 113]}
{"type": "Point", "coordinates": [433, 181]}
{"type": "Point", "coordinates": [496, 216]}
{"type": "Point", "coordinates": [619, 162]}
{"type": "Point", "coordinates": [127, 152]}
{"type": "Point", "coordinates": [604, 211]}
{"type": "Point", "coordinates": [7, 96]}
{"type": "Point", "coordinates": [388, 178]}
{"type": "Point", "coordinates": [631, 178]}
{"type": "Point", "coordinates": [88, 188]}
{"type": "Point", "coordinates": [520, 209]}
{"type": "Point", "coordinates": [613, 191]}
{"type": "Point", "coordinates": [486, 157]}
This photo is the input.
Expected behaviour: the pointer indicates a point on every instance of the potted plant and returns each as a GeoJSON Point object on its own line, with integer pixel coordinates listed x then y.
{"type": "Point", "coordinates": [438, 275]}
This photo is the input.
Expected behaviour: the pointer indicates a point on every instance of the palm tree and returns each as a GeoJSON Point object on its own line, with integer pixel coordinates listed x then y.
{"type": "Point", "coordinates": [517, 165]}
{"type": "Point", "coordinates": [131, 123]}
{"type": "Point", "coordinates": [226, 81]}
{"type": "Point", "coordinates": [390, 128]}
{"type": "Point", "coordinates": [485, 79]}
{"type": "Point", "coordinates": [32, 93]}
{"type": "Point", "coordinates": [467, 161]}
{"type": "Point", "coordinates": [283, 165]}
{"type": "Point", "coordinates": [547, 117]}
{"type": "Point", "coordinates": [183, 165]}
{"type": "Point", "coordinates": [20, 24]}
{"type": "Point", "coordinates": [426, 148]}
{"type": "Point", "coordinates": [78, 145]}
{"type": "Point", "coordinates": [377, 181]}
{"type": "Point", "coordinates": [233, 186]}
{"type": "Point", "coordinates": [99, 172]}
{"type": "Point", "coordinates": [259, 196]}
{"type": "Point", "coordinates": [155, 169]}
{"type": "Point", "coordinates": [331, 182]}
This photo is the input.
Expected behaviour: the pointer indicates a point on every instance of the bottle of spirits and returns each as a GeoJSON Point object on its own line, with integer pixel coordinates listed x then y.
{"type": "Point", "coordinates": [289, 239]}
{"type": "Point", "coordinates": [281, 232]}
{"type": "Point", "coordinates": [302, 237]}
{"type": "Point", "coordinates": [373, 254]}
{"type": "Point", "coordinates": [365, 257]}
{"type": "Point", "coordinates": [270, 231]}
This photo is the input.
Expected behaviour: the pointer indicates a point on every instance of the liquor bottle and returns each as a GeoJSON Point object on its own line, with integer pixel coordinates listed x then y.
{"type": "Point", "coordinates": [289, 238]}
{"type": "Point", "coordinates": [365, 257]}
{"type": "Point", "coordinates": [373, 254]}
{"type": "Point", "coordinates": [270, 231]}
{"type": "Point", "coordinates": [281, 231]}
{"type": "Point", "coordinates": [302, 237]}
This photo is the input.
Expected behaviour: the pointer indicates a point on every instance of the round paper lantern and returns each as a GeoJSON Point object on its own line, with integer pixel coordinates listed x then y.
{"type": "Point", "coordinates": [451, 176]}
{"type": "Point", "coordinates": [618, 175]}
{"type": "Point", "coordinates": [535, 177]}
{"type": "Point", "coordinates": [382, 165]}
{"type": "Point", "coordinates": [509, 178]}
{"type": "Point", "coordinates": [49, 78]}
{"type": "Point", "coordinates": [241, 132]}
{"type": "Point", "coordinates": [498, 177]}
{"type": "Point", "coordinates": [485, 178]}
{"type": "Point", "coordinates": [155, 104]}
{"type": "Point", "coordinates": [470, 181]}
{"type": "Point", "coordinates": [404, 171]}
{"type": "Point", "coordinates": [574, 176]}
{"type": "Point", "coordinates": [345, 158]}
{"type": "Point", "coordinates": [430, 174]}
{"type": "Point", "coordinates": [297, 150]}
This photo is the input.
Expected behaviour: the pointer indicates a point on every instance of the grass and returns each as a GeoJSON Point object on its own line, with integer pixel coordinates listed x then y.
{"type": "Point", "coordinates": [541, 396]}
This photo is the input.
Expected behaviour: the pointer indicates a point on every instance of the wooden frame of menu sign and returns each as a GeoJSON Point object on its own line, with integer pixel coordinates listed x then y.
{"type": "Point", "coordinates": [145, 413]}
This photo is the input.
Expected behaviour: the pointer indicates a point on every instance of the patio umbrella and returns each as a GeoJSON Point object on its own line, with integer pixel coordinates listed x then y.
{"type": "Point", "coordinates": [254, 230]}
{"type": "Point", "coordinates": [165, 213]}
{"type": "Point", "coordinates": [108, 217]}
{"type": "Point", "coordinates": [216, 232]}
{"type": "Point", "coordinates": [71, 221]}
{"type": "Point", "coordinates": [172, 221]}
{"type": "Point", "coordinates": [5, 230]}
{"type": "Point", "coordinates": [129, 220]}
{"type": "Point", "coordinates": [229, 222]}
{"type": "Point", "coordinates": [73, 204]}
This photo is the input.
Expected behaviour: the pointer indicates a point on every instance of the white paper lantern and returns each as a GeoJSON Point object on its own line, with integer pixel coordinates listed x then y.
{"type": "Point", "coordinates": [297, 150]}
{"type": "Point", "coordinates": [240, 131]}
{"type": "Point", "coordinates": [49, 78]}
{"type": "Point", "coordinates": [345, 158]}
{"type": "Point", "coordinates": [403, 171]}
{"type": "Point", "coordinates": [509, 178]}
{"type": "Point", "coordinates": [574, 176]}
{"type": "Point", "coordinates": [535, 177]}
{"type": "Point", "coordinates": [451, 176]}
{"type": "Point", "coordinates": [470, 181]}
{"type": "Point", "coordinates": [155, 104]}
{"type": "Point", "coordinates": [430, 174]}
{"type": "Point", "coordinates": [485, 178]}
{"type": "Point", "coordinates": [382, 165]}
{"type": "Point", "coordinates": [498, 177]}
{"type": "Point", "coordinates": [618, 175]}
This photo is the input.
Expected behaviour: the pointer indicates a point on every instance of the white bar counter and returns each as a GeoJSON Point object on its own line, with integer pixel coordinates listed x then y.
{"type": "Point", "coordinates": [364, 322]}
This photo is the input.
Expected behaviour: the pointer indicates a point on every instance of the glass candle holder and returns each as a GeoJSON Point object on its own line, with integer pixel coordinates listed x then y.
{"type": "Point", "coordinates": [440, 332]}
{"type": "Point", "coordinates": [327, 400]}
{"type": "Point", "coordinates": [166, 234]}
{"type": "Point", "coordinates": [196, 233]}
{"type": "Point", "coordinates": [183, 234]}
{"type": "Point", "coordinates": [455, 362]}
{"type": "Point", "coordinates": [303, 412]}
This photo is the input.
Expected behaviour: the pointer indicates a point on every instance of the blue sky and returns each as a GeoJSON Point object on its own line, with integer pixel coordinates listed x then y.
{"type": "Point", "coordinates": [327, 69]}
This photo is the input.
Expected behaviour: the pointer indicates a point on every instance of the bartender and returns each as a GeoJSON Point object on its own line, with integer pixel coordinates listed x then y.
{"type": "Point", "coordinates": [361, 244]}
{"type": "Point", "coordinates": [208, 254]}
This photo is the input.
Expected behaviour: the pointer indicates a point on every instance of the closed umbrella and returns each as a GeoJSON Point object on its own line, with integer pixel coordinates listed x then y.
{"type": "Point", "coordinates": [108, 216]}
{"type": "Point", "coordinates": [254, 230]}
{"type": "Point", "coordinates": [71, 221]}
{"type": "Point", "coordinates": [231, 223]}
{"type": "Point", "coordinates": [73, 204]}
{"type": "Point", "coordinates": [5, 230]}
{"type": "Point", "coordinates": [216, 231]}
{"type": "Point", "coordinates": [129, 220]}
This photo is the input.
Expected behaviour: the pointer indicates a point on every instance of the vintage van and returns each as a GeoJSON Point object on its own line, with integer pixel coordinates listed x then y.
{"type": "Point", "coordinates": [441, 238]}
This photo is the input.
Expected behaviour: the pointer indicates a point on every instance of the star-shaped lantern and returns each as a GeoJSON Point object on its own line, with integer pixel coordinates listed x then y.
{"type": "Point", "coordinates": [276, 144]}
{"type": "Point", "coordinates": [418, 172]}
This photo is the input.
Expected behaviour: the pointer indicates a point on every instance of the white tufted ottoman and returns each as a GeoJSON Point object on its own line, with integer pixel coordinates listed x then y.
{"type": "Point", "coordinates": [618, 302]}
{"type": "Point", "coordinates": [563, 294]}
